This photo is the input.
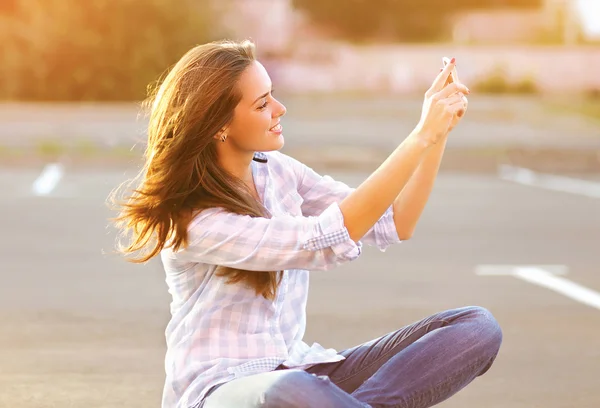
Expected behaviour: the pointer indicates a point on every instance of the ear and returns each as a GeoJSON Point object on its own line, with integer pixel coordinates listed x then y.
{"type": "Point", "coordinates": [221, 135]}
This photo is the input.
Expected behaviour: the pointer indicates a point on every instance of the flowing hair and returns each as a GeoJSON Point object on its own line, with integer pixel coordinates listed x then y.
{"type": "Point", "coordinates": [181, 174]}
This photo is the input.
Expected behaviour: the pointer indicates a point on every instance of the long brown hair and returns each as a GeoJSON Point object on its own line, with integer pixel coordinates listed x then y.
{"type": "Point", "coordinates": [180, 176]}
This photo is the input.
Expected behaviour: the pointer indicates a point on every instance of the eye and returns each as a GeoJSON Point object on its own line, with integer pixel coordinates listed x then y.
{"type": "Point", "coordinates": [264, 105]}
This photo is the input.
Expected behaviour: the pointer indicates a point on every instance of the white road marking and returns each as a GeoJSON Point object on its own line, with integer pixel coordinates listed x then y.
{"type": "Point", "coordinates": [548, 181]}
{"type": "Point", "coordinates": [48, 180]}
{"type": "Point", "coordinates": [509, 270]}
{"type": "Point", "coordinates": [542, 276]}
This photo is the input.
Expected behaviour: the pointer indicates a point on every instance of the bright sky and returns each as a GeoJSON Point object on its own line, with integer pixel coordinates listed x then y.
{"type": "Point", "coordinates": [590, 16]}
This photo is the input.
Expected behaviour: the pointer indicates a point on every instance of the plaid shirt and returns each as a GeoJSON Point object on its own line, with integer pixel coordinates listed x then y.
{"type": "Point", "coordinates": [218, 331]}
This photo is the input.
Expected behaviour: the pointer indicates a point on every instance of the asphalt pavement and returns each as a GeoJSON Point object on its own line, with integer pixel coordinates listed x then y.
{"type": "Point", "coordinates": [351, 132]}
{"type": "Point", "coordinates": [83, 328]}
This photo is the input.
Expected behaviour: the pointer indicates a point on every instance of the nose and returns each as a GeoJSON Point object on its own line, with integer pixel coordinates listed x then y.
{"type": "Point", "coordinates": [280, 110]}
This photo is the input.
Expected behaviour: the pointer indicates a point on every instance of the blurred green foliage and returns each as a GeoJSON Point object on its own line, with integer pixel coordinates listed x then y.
{"type": "Point", "coordinates": [78, 50]}
{"type": "Point", "coordinates": [396, 20]}
{"type": "Point", "coordinates": [496, 82]}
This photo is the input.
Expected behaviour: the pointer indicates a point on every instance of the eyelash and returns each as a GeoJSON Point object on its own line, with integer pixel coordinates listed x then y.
{"type": "Point", "coordinates": [264, 105]}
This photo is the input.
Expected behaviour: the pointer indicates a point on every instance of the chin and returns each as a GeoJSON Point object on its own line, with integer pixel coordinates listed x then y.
{"type": "Point", "coordinates": [273, 145]}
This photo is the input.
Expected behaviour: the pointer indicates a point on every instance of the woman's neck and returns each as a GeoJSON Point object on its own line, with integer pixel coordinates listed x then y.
{"type": "Point", "coordinates": [239, 164]}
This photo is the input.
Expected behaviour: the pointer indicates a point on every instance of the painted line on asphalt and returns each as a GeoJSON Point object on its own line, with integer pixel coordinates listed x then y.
{"type": "Point", "coordinates": [546, 277]}
{"type": "Point", "coordinates": [48, 179]}
{"type": "Point", "coordinates": [552, 182]}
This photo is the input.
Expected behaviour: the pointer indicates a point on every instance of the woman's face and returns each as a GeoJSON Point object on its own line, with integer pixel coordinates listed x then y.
{"type": "Point", "coordinates": [255, 125]}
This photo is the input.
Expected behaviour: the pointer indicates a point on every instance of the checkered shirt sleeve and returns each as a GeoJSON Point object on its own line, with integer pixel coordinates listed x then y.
{"type": "Point", "coordinates": [319, 192]}
{"type": "Point", "coordinates": [283, 242]}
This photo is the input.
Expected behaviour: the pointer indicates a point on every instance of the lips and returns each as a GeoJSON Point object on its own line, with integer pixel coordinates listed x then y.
{"type": "Point", "coordinates": [277, 128]}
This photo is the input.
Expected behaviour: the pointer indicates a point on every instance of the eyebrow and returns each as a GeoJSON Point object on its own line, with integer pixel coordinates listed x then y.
{"type": "Point", "coordinates": [262, 96]}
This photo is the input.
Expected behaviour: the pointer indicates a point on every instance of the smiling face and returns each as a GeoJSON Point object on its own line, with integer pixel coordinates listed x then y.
{"type": "Point", "coordinates": [255, 125]}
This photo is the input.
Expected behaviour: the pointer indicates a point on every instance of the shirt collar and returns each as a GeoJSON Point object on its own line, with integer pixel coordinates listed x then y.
{"type": "Point", "coordinates": [260, 157]}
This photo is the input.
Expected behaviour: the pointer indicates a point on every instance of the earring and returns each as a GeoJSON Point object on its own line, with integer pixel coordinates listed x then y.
{"type": "Point", "coordinates": [223, 137]}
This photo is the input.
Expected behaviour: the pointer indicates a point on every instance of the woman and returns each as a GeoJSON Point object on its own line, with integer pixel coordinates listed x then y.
{"type": "Point", "coordinates": [238, 225]}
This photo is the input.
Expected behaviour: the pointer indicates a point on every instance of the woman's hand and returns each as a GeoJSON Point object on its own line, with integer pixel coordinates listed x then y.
{"type": "Point", "coordinates": [443, 105]}
{"type": "Point", "coordinates": [459, 115]}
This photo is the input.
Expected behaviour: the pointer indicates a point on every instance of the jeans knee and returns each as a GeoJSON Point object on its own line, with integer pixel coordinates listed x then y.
{"type": "Point", "coordinates": [295, 389]}
{"type": "Point", "coordinates": [487, 330]}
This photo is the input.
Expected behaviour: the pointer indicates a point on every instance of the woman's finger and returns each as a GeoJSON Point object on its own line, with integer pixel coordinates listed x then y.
{"type": "Point", "coordinates": [440, 80]}
{"type": "Point", "coordinates": [452, 99]}
{"type": "Point", "coordinates": [452, 89]}
{"type": "Point", "coordinates": [458, 107]}
{"type": "Point", "coordinates": [451, 78]}
{"type": "Point", "coordinates": [455, 74]}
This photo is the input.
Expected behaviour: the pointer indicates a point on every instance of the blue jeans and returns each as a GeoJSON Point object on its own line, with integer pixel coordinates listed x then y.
{"type": "Point", "coordinates": [419, 365]}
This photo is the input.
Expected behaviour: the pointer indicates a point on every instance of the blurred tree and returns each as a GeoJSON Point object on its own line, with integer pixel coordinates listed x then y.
{"type": "Point", "coordinates": [94, 49]}
{"type": "Point", "coordinates": [8, 6]}
{"type": "Point", "coordinates": [397, 20]}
